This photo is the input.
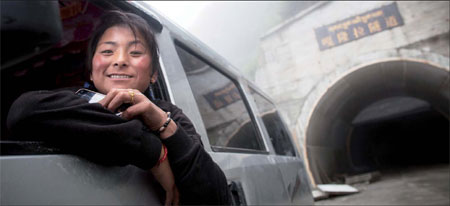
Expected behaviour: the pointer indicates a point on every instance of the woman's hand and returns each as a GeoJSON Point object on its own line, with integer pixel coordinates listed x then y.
{"type": "Point", "coordinates": [141, 107]}
{"type": "Point", "coordinates": [154, 118]}
{"type": "Point", "coordinates": [163, 174]}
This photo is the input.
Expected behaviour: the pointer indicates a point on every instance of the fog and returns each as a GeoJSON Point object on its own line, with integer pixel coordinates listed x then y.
{"type": "Point", "coordinates": [233, 29]}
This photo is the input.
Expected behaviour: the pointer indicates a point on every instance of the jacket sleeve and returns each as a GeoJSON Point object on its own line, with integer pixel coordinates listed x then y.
{"type": "Point", "coordinates": [198, 178]}
{"type": "Point", "coordinates": [89, 130]}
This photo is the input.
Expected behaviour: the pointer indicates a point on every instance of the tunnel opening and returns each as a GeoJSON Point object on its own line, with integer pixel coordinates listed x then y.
{"type": "Point", "coordinates": [398, 132]}
{"type": "Point", "coordinates": [383, 116]}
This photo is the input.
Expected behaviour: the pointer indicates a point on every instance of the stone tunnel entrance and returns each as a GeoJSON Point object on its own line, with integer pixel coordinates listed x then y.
{"type": "Point", "coordinates": [386, 115]}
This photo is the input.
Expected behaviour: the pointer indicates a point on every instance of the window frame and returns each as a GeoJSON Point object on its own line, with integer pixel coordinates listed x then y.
{"type": "Point", "coordinates": [236, 80]}
{"type": "Point", "coordinates": [263, 125]}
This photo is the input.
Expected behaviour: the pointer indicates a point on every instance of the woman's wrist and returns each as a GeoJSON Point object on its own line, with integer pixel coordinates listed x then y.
{"type": "Point", "coordinates": [167, 127]}
{"type": "Point", "coordinates": [154, 117]}
{"type": "Point", "coordinates": [162, 156]}
{"type": "Point", "coordinates": [165, 124]}
{"type": "Point", "coordinates": [169, 130]}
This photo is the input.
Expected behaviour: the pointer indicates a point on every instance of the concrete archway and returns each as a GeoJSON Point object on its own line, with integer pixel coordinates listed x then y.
{"type": "Point", "coordinates": [330, 138]}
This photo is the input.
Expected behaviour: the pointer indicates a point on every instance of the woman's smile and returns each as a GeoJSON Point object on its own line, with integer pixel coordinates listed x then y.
{"type": "Point", "coordinates": [119, 76]}
{"type": "Point", "coordinates": [121, 60]}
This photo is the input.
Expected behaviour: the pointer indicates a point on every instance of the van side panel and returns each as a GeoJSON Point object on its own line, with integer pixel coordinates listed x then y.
{"type": "Point", "coordinates": [70, 180]}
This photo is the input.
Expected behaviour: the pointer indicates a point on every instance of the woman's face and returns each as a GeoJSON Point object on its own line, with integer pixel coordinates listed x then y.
{"type": "Point", "coordinates": [121, 60]}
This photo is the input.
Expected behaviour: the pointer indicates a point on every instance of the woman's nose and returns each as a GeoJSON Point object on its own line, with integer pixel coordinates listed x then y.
{"type": "Point", "coordinates": [121, 59]}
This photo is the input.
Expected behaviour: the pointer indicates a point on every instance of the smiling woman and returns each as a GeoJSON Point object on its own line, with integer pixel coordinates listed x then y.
{"type": "Point", "coordinates": [151, 134]}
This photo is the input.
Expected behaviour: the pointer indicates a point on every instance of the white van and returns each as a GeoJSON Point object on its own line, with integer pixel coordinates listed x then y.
{"type": "Point", "coordinates": [43, 46]}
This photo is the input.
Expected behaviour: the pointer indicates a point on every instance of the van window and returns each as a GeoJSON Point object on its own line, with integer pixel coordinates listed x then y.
{"type": "Point", "coordinates": [220, 103]}
{"type": "Point", "coordinates": [279, 135]}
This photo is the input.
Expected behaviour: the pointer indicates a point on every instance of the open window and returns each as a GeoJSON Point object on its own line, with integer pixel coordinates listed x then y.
{"type": "Point", "coordinates": [51, 54]}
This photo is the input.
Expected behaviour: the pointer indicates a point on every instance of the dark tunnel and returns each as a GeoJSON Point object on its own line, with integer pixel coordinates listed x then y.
{"type": "Point", "coordinates": [407, 133]}
{"type": "Point", "coordinates": [387, 115]}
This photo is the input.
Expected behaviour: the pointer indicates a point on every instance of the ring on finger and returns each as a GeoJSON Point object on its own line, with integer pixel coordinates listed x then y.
{"type": "Point", "coordinates": [131, 93]}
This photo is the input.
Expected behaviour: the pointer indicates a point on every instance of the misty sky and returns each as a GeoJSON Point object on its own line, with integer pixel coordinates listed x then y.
{"type": "Point", "coordinates": [231, 28]}
{"type": "Point", "coordinates": [182, 13]}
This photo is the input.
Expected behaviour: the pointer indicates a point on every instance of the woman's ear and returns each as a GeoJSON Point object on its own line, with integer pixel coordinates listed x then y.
{"type": "Point", "coordinates": [154, 77]}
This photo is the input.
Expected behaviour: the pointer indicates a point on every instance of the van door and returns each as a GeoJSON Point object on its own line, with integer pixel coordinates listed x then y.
{"type": "Point", "coordinates": [214, 100]}
{"type": "Point", "coordinates": [287, 157]}
{"type": "Point", "coordinates": [56, 179]}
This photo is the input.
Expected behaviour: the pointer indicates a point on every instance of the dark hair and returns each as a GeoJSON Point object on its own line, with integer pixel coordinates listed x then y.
{"type": "Point", "coordinates": [135, 23]}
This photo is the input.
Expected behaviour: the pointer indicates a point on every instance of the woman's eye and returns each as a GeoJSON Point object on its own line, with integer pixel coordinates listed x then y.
{"type": "Point", "coordinates": [136, 53]}
{"type": "Point", "coordinates": [106, 52]}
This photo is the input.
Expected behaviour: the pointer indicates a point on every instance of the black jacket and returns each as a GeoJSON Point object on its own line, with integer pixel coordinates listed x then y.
{"type": "Point", "coordinates": [64, 119]}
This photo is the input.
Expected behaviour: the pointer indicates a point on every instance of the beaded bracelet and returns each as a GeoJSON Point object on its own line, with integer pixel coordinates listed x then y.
{"type": "Point", "coordinates": [165, 123]}
{"type": "Point", "coordinates": [164, 157]}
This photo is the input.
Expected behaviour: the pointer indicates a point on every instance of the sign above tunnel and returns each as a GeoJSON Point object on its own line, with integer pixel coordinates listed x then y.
{"type": "Point", "coordinates": [359, 26]}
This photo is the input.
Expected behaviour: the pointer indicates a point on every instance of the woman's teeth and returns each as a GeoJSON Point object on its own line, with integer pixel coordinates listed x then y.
{"type": "Point", "coordinates": [119, 76]}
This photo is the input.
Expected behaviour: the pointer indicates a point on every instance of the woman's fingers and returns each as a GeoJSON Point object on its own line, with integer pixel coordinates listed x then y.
{"type": "Point", "coordinates": [121, 97]}
{"type": "Point", "coordinates": [150, 114]}
{"type": "Point", "coordinates": [139, 106]}
{"type": "Point", "coordinates": [169, 198]}
{"type": "Point", "coordinates": [118, 97]}
{"type": "Point", "coordinates": [163, 174]}
{"type": "Point", "coordinates": [176, 197]}
{"type": "Point", "coordinates": [105, 101]}
{"type": "Point", "coordinates": [134, 110]}
{"type": "Point", "coordinates": [173, 197]}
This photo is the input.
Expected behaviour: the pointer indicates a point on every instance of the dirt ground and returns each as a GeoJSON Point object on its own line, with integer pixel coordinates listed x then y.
{"type": "Point", "coordinates": [418, 185]}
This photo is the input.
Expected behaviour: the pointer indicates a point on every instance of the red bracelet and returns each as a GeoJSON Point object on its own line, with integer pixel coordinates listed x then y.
{"type": "Point", "coordinates": [164, 157]}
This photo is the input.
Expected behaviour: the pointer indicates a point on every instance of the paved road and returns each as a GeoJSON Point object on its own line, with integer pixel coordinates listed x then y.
{"type": "Point", "coordinates": [424, 185]}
